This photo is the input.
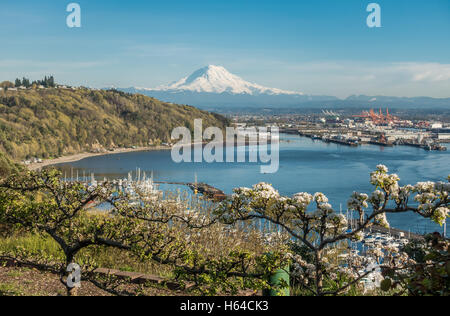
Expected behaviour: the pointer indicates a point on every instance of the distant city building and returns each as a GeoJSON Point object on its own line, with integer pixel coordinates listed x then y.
{"type": "Point", "coordinates": [444, 136]}
{"type": "Point", "coordinates": [436, 125]}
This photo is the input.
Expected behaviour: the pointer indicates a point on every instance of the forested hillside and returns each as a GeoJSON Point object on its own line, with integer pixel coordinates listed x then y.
{"type": "Point", "coordinates": [48, 123]}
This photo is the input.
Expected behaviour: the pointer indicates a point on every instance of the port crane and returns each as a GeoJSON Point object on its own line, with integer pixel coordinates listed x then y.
{"type": "Point", "coordinates": [377, 118]}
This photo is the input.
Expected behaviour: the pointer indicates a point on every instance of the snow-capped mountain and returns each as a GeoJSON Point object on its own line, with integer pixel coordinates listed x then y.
{"type": "Point", "coordinates": [214, 87]}
{"type": "Point", "coordinates": [216, 79]}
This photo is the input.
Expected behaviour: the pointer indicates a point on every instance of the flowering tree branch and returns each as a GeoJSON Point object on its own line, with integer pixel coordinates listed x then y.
{"type": "Point", "coordinates": [323, 227]}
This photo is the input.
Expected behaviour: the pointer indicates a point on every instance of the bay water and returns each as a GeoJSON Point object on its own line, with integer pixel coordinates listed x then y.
{"type": "Point", "coordinates": [305, 166]}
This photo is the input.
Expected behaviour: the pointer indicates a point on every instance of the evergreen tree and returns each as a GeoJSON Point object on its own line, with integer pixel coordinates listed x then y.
{"type": "Point", "coordinates": [51, 81]}
{"type": "Point", "coordinates": [26, 82]}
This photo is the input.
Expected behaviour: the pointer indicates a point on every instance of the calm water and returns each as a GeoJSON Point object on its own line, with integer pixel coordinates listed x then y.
{"type": "Point", "coordinates": [305, 166]}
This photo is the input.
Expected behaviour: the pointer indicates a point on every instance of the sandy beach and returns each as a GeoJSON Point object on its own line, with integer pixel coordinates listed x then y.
{"type": "Point", "coordinates": [81, 156]}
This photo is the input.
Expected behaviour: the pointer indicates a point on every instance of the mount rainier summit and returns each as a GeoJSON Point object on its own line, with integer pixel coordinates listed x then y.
{"type": "Point", "coordinates": [215, 88]}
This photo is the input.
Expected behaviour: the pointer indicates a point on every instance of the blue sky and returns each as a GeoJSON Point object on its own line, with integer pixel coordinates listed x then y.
{"type": "Point", "coordinates": [317, 47]}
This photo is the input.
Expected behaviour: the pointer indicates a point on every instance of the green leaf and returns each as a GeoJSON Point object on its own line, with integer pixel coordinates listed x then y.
{"type": "Point", "coordinates": [386, 285]}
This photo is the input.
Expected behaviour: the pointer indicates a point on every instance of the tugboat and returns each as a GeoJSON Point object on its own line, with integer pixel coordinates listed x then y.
{"type": "Point", "coordinates": [381, 142]}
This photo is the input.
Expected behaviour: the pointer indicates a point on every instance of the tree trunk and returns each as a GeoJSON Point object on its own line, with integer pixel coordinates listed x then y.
{"type": "Point", "coordinates": [361, 219]}
{"type": "Point", "coordinates": [72, 288]}
{"type": "Point", "coordinates": [319, 272]}
{"type": "Point", "coordinates": [72, 291]}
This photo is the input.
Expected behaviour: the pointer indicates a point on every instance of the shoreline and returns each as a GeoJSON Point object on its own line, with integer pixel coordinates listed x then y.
{"type": "Point", "coordinates": [81, 156]}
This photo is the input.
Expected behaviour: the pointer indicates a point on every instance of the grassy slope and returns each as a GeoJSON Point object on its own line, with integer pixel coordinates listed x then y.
{"type": "Point", "coordinates": [7, 166]}
{"type": "Point", "coordinates": [55, 122]}
{"type": "Point", "coordinates": [44, 247]}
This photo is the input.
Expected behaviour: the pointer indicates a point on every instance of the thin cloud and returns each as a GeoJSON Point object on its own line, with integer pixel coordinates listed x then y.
{"type": "Point", "coordinates": [16, 63]}
{"type": "Point", "coordinates": [344, 78]}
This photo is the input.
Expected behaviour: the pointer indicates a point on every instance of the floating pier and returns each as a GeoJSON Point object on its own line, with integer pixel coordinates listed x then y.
{"type": "Point", "coordinates": [208, 191]}
{"type": "Point", "coordinates": [202, 188]}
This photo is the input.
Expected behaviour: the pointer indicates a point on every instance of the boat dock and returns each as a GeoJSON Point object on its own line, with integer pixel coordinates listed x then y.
{"type": "Point", "coordinates": [354, 138]}
{"type": "Point", "coordinates": [201, 188]}
{"type": "Point", "coordinates": [396, 233]}
{"type": "Point", "coordinates": [345, 142]}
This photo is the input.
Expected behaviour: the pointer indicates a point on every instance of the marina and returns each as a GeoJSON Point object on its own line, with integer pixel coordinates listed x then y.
{"type": "Point", "coordinates": [149, 189]}
{"type": "Point", "coordinates": [147, 186]}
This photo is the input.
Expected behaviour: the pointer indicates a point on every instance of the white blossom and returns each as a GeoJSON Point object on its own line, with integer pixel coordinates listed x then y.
{"type": "Point", "coordinates": [440, 215]}
{"type": "Point", "coordinates": [304, 199]}
{"type": "Point", "coordinates": [320, 198]}
{"type": "Point", "coordinates": [381, 220]}
{"type": "Point", "coordinates": [266, 191]}
{"type": "Point", "coordinates": [425, 186]}
{"type": "Point", "coordinates": [377, 197]}
{"type": "Point", "coordinates": [358, 201]}
{"type": "Point", "coordinates": [382, 168]}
